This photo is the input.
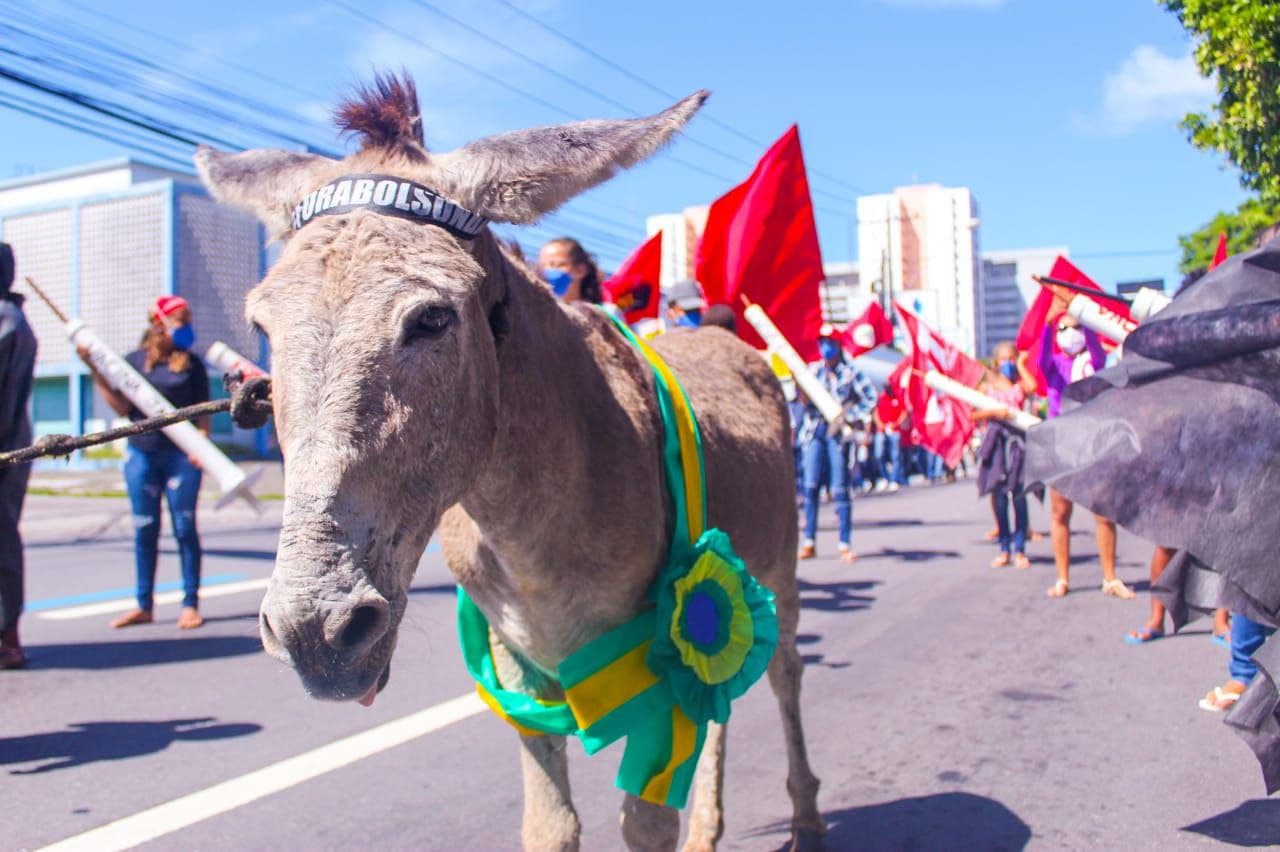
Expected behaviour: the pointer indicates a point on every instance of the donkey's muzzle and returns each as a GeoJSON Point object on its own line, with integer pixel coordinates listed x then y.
{"type": "Point", "coordinates": [336, 647]}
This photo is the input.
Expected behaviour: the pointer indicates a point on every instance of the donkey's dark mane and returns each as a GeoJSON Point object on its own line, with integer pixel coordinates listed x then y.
{"type": "Point", "coordinates": [385, 115]}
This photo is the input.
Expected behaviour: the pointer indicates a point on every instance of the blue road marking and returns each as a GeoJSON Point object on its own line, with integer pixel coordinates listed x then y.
{"type": "Point", "coordinates": [112, 594]}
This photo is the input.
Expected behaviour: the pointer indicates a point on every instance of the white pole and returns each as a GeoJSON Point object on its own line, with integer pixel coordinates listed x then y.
{"type": "Point", "coordinates": [123, 378]}
{"type": "Point", "coordinates": [1148, 302]}
{"type": "Point", "coordinates": [977, 400]}
{"type": "Point", "coordinates": [227, 360]}
{"type": "Point", "coordinates": [805, 379]}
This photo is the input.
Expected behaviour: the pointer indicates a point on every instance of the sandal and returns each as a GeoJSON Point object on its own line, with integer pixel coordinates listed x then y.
{"type": "Point", "coordinates": [137, 616]}
{"type": "Point", "coordinates": [1117, 589]}
{"type": "Point", "coordinates": [1219, 699]}
{"type": "Point", "coordinates": [1021, 562]}
{"type": "Point", "coordinates": [1059, 589]}
{"type": "Point", "coordinates": [1143, 636]}
{"type": "Point", "coordinates": [847, 556]}
{"type": "Point", "coordinates": [808, 551]}
{"type": "Point", "coordinates": [12, 658]}
{"type": "Point", "coordinates": [1000, 561]}
{"type": "Point", "coordinates": [1223, 639]}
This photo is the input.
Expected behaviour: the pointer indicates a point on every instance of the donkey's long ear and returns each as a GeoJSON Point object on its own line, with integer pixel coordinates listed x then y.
{"type": "Point", "coordinates": [518, 177]}
{"type": "Point", "coordinates": [266, 182]}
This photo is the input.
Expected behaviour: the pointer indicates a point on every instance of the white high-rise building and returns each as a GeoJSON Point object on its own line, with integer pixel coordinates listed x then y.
{"type": "Point", "coordinates": [919, 245]}
{"type": "Point", "coordinates": [680, 235]}
{"type": "Point", "coordinates": [1006, 290]}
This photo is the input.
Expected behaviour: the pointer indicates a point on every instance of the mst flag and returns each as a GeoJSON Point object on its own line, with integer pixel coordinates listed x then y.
{"type": "Point", "coordinates": [761, 242]}
{"type": "Point", "coordinates": [1030, 332]}
{"type": "Point", "coordinates": [634, 287]}
{"type": "Point", "coordinates": [1220, 254]}
{"type": "Point", "coordinates": [867, 331]}
{"type": "Point", "coordinates": [1178, 442]}
{"type": "Point", "coordinates": [944, 423]}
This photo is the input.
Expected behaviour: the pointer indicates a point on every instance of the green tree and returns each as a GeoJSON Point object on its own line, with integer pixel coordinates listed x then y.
{"type": "Point", "coordinates": [1242, 228]}
{"type": "Point", "coordinates": [1238, 43]}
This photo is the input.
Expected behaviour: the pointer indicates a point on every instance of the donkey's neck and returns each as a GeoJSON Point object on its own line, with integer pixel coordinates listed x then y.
{"type": "Point", "coordinates": [571, 506]}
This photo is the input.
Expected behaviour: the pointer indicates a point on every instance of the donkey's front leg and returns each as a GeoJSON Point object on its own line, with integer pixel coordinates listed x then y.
{"type": "Point", "coordinates": [550, 822]}
{"type": "Point", "coordinates": [647, 827]}
{"type": "Point", "coordinates": [706, 817]}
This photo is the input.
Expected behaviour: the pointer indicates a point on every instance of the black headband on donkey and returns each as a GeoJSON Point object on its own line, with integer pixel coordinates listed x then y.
{"type": "Point", "coordinates": [389, 196]}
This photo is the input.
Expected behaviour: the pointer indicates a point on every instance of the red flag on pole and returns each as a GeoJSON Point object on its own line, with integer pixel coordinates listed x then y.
{"type": "Point", "coordinates": [761, 242]}
{"type": "Point", "coordinates": [867, 331]}
{"type": "Point", "coordinates": [1029, 333]}
{"type": "Point", "coordinates": [1221, 254]}
{"type": "Point", "coordinates": [634, 287]}
{"type": "Point", "coordinates": [944, 423]}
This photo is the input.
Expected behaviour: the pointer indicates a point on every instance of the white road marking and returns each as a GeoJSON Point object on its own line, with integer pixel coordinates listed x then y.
{"type": "Point", "coordinates": [125, 604]}
{"type": "Point", "coordinates": [237, 792]}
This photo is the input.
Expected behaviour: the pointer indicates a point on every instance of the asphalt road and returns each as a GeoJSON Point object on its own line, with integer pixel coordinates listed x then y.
{"type": "Point", "coordinates": [949, 705]}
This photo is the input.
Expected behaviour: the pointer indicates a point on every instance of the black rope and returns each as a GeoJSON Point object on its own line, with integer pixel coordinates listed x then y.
{"type": "Point", "coordinates": [250, 407]}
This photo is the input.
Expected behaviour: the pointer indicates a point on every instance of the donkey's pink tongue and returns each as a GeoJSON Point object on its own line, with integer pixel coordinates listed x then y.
{"type": "Point", "coordinates": [367, 698]}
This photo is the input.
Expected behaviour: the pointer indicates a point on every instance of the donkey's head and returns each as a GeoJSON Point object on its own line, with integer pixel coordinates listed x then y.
{"type": "Point", "coordinates": [385, 326]}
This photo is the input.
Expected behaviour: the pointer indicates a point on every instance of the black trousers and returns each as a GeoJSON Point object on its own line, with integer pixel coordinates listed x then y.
{"type": "Point", "coordinates": [13, 490]}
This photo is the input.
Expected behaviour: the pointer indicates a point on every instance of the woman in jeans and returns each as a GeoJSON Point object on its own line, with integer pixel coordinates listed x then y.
{"type": "Point", "coordinates": [1000, 459]}
{"type": "Point", "coordinates": [155, 466]}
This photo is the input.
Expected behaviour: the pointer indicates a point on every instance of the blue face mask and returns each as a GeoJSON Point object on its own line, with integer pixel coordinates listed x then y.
{"type": "Point", "coordinates": [828, 348]}
{"type": "Point", "coordinates": [183, 336]}
{"type": "Point", "coordinates": [1008, 370]}
{"type": "Point", "coordinates": [558, 279]}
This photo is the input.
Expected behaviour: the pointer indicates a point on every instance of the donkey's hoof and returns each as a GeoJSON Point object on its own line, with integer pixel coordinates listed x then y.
{"type": "Point", "coordinates": [808, 840]}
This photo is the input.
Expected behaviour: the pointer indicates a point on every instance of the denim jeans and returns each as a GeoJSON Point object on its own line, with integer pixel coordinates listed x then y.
{"type": "Point", "coordinates": [830, 457]}
{"type": "Point", "coordinates": [147, 475]}
{"type": "Point", "coordinates": [1017, 537]}
{"type": "Point", "coordinates": [1247, 637]}
{"type": "Point", "coordinates": [888, 453]}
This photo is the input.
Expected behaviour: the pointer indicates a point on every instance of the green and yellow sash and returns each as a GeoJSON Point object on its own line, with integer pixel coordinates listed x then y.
{"type": "Point", "coordinates": [658, 679]}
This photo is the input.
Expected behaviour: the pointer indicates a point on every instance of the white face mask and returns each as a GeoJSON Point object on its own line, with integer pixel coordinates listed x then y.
{"type": "Point", "coordinates": [1071, 341]}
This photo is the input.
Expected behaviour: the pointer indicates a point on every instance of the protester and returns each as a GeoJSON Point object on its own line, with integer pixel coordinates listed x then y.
{"type": "Point", "coordinates": [684, 305]}
{"type": "Point", "coordinates": [1002, 454]}
{"type": "Point", "coordinates": [824, 449]}
{"type": "Point", "coordinates": [890, 415]}
{"type": "Point", "coordinates": [1079, 355]}
{"type": "Point", "coordinates": [153, 464]}
{"type": "Point", "coordinates": [1247, 637]}
{"type": "Point", "coordinates": [17, 373]}
{"type": "Point", "coordinates": [570, 272]}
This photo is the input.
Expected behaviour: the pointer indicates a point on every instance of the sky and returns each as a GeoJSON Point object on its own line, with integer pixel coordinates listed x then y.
{"type": "Point", "coordinates": [1061, 117]}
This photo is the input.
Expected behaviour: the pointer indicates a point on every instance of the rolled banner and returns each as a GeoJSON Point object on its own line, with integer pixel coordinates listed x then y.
{"type": "Point", "coordinates": [978, 401]}
{"type": "Point", "coordinates": [804, 377]}
{"type": "Point", "coordinates": [1147, 302]}
{"type": "Point", "coordinates": [125, 379]}
{"type": "Point", "coordinates": [1094, 317]}
{"type": "Point", "coordinates": [228, 360]}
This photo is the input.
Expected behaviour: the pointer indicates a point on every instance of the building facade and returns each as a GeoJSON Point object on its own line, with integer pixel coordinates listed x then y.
{"type": "Point", "coordinates": [919, 245]}
{"type": "Point", "coordinates": [103, 241]}
{"type": "Point", "coordinates": [1006, 290]}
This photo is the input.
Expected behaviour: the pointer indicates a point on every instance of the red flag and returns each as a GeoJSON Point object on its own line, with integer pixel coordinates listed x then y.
{"type": "Point", "coordinates": [868, 331]}
{"type": "Point", "coordinates": [634, 287]}
{"type": "Point", "coordinates": [944, 424]}
{"type": "Point", "coordinates": [761, 242]}
{"type": "Point", "coordinates": [1029, 333]}
{"type": "Point", "coordinates": [1221, 254]}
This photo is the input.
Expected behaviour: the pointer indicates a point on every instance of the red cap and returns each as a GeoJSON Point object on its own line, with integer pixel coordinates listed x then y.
{"type": "Point", "coordinates": [166, 305]}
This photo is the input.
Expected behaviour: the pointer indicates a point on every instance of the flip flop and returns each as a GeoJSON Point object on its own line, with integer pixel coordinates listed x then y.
{"type": "Point", "coordinates": [1223, 639]}
{"type": "Point", "coordinates": [1143, 636]}
{"type": "Point", "coordinates": [1219, 700]}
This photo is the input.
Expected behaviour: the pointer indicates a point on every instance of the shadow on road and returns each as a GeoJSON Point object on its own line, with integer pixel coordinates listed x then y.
{"type": "Point", "coordinates": [1252, 823]}
{"type": "Point", "coordinates": [910, 555]}
{"type": "Point", "coordinates": [233, 553]}
{"type": "Point", "coordinates": [816, 659]}
{"type": "Point", "coordinates": [941, 821]}
{"type": "Point", "coordinates": [434, 589]}
{"type": "Point", "coordinates": [90, 742]}
{"type": "Point", "coordinates": [838, 596]}
{"type": "Point", "coordinates": [150, 652]}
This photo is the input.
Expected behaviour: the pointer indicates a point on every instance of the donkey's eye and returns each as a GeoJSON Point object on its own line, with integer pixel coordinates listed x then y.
{"type": "Point", "coordinates": [430, 323]}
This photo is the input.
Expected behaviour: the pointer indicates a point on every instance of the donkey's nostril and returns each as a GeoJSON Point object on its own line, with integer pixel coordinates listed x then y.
{"type": "Point", "coordinates": [365, 627]}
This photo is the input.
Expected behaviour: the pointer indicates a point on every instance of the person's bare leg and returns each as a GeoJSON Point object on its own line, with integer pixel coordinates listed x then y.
{"type": "Point", "coordinates": [1221, 623]}
{"type": "Point", "coordinates": [1060, 533]}
{"type": "Point", "coordinates": [1155, 624]}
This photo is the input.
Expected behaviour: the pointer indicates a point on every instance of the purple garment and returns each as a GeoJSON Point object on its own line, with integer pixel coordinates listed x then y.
{"type": "Point", "coordinates": [1056, 366]}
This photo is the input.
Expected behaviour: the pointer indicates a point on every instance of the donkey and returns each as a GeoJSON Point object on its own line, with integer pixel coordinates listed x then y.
{"type": "Point", "coordinates": [422, 377]}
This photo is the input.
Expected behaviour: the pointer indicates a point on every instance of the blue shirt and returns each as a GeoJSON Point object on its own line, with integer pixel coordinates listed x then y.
{"type": "Point", "coordinates": [849, 385]}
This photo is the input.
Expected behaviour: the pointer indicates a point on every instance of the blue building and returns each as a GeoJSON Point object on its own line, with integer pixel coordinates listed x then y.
{"type": "Point", "coordinates": [104, 241]}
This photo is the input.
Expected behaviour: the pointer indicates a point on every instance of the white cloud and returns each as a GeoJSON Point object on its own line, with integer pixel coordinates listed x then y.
{"type": "Point", "coordinates": [946, 4]}
{"type": "Point", "coordinates": [1149, 87]}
